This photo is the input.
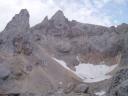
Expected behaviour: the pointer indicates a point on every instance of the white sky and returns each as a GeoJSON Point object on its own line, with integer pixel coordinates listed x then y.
{"type": "Point", "coordinates": [80, 10]}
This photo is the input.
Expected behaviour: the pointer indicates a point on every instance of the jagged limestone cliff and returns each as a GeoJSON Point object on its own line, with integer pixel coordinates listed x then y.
{"type": "Point", "coordinates": [26, 54]}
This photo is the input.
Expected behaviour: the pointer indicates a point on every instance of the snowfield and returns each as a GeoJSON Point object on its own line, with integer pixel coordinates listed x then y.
{"type": "Point", "coordinates": [89, 72]}
{"type": "Point", "coordinates": [101, 93]}
{"type": "Point", "coordinates": [62, 63]}
{"type": "Point", "coordinates": [94, 73]}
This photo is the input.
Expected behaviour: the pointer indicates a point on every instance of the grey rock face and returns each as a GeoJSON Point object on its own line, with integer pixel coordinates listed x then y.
{"type": "Point", "coordinates": [19, 23]}
{"type": "Point", "coordinates": [119, 83]}
{"type": "Point", "coordinates": [64, 47]}
{"type": "Point", "coordinates": [4, 72]}
{"type": "Point", "coordinates": [70, 87]}
{"type": "Point", "coordinates": [119, 77]}
{"type": "Point", "coordinates": [21, 19]}
{"type": "Point", "coordinates": [22, 46]}
{"type": "Point", "coordinates": [59, 19]}
{"type": "Point", "coordinates": [105, 43]}
{"type": "Point", "coordinates": [81, 88]}
{"type": "Point", "coordinates": [121, 90]}
{"type": "Point", "coordinates": [29, 52]}
{"type": "Point", "coordinates": [124, 58]}
{"type": "Point", "coordinates": [123, 28]}
{"type": "Point", "coordinates": [80, 38]}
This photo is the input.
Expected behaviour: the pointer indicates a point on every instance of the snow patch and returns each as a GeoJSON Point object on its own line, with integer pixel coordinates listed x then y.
{"type": "Point", "coordinates": [78, 59]}
{"type": "Point", "coordinates": [89, 72]}
{"type": "Point", "coordinates": [101, 93]}
{"type": "Point", "coordinates": [62, 63]}
{"type": "Point", "coordinates": [94, 73]}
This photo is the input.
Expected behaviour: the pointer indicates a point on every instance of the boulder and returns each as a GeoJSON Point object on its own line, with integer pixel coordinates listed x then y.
{"type": "Point", "coordinates": [81, 88]}
{"type": "Point", "coordinates": [63, 47]}
{"type": "Point", "coordinates": [4, 72]}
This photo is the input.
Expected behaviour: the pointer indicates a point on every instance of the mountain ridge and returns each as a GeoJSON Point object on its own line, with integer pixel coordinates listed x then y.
{"type": "Point", "coordinates": [26, 55]}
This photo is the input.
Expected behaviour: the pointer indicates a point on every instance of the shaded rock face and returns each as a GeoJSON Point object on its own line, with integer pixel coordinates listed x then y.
{"type": "Point", "coordinates": [122, 90]}
{"type": "Point", "coordinates": [71, 38]}
{"type": "Point", "coordinates": [22, 46]}
{"type": "Point", "coordinates": [4, 72]}
{"type": "Point", "coordinates": [63, 47]}
{"type": "Point", "coordinates": [18, 24]}
{"type": "Point", "coordinates": [124, 58]}
{"type": "Point", "coordinates": [123, 28]}
{"type": "Point", "coordinates": [120, 77]}
{"type": "Point", "coordinates": [26, 64]}
{"type": "Point", "coordinates": [81, 88]}
{"type": "Point", "coordinates": [119, 84]}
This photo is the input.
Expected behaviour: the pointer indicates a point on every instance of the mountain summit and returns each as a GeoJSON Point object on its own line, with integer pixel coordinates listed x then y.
{"type": "Point", "coordinates": [58, 15]}
{"type": "Point", "coordinates": [21, 19]}
{"type": "Point", "coordinates": [58, 57]}
{"type": "Point", "coordinates": [59, 19]}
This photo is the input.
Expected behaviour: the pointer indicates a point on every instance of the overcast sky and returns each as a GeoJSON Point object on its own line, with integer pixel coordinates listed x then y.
{"type": "Point", "coordinates": [101, 12]}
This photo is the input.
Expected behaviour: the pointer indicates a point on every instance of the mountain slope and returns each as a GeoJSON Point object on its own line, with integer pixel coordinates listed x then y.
{"type": "Point", "coordinates": [43, 60]}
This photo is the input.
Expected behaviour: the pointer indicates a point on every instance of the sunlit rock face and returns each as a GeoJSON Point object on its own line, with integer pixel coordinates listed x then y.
{"type": "Point", "coordinates": [26, 55]}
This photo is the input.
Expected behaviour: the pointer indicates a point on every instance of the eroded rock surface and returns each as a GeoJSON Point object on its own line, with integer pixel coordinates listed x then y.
{"type": "Point", "coordinates": [26, 64]}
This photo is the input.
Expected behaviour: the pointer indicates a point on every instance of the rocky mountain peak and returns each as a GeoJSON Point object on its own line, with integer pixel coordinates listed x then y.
{"type": "Point", "coordinates": [19, 21]}
{"type": "Point", "coordinates": [45, 21]}
{"type": "Point", "coordinates": [24, 12]}
{"type": "Point", "coordinates": [58, 15]}
{"type": "Point", "coordinates": [59, 18]}
{"type": "Point", "coordinates": [58, 57]}
{"type": "Point", "coordinates": [18, 24]}
{"type": "Point", "coordinates": [122, 28]}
